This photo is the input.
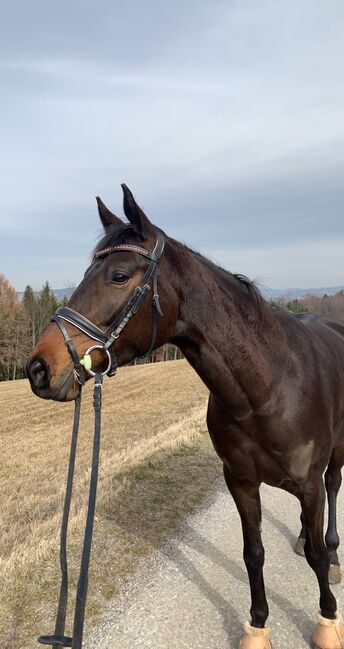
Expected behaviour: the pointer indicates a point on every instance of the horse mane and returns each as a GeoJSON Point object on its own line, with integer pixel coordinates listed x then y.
{"type": "Point", "coordinates": [249, 285]}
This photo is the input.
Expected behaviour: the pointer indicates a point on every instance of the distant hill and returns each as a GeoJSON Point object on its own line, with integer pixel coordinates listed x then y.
{"type": "Point", "coordinates": [293, 293]}
{"type": "Point", "coordinates": [60, 293]}
{"type": "Point", "coordinates": [268, 293]}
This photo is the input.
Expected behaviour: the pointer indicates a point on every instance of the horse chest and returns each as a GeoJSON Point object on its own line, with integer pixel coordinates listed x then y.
{"type": "Point", "coordinates": [262, 453]}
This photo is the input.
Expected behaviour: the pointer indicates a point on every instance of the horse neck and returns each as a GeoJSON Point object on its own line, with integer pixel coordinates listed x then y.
{"type": "Point", "coordinates": [226, 333]}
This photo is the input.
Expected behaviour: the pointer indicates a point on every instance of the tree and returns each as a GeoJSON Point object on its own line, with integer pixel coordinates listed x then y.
{"type": "Point", "coordinates": [47, 305]}
{"type": "Point", "coordinates": [64, 301]}
{"type": "Point", "coordinates": [331, 305]}
{"type": "Point", "coordinates": [31, 311]}
{"type": "Point", "coordinates": [12, 330]}
{"type": "Point", "coordinates": [22, 322]}
{"type": "Point", "coordinates": [296, 306]}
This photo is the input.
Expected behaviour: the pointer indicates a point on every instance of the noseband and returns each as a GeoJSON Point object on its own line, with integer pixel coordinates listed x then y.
{"type": "Point", "coordinates": [104, 341]}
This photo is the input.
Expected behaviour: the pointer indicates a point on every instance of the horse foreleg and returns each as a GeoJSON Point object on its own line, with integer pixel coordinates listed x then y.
{"type": "Point", "coordinates": [333, 480]}
{"type": "Point", "coordinates": [247, 500]}
{"type": "Point", "coordinates": [329, 631]}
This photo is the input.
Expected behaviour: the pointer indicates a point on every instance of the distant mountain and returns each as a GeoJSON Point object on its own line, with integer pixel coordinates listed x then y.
{"type": "Point", "coordinates": [60, 293]}
{"type": "Point", "coordinates": [293, 293]}
{"type": "Point", "coordinates": [269, 294]}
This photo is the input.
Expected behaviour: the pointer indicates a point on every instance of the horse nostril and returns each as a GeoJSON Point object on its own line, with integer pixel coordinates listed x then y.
{"type": "Point", "coordinates": [39, 373]}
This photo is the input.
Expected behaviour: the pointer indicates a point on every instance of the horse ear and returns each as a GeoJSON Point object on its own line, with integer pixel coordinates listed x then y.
{"type": "Point", "coordinates": [134, 214]}
{"type": "Point", "coordinates": [107, 218]}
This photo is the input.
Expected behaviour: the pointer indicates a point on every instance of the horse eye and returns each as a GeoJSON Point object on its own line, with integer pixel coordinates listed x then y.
{"type": "Point", "coordinates": [119, 278]}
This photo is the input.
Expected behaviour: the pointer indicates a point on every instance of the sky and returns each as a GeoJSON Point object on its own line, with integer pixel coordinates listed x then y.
{"type": "Point", "coordinates": [224, 117]}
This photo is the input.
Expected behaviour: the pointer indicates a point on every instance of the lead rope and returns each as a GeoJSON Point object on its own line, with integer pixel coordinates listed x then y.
{"type": "Point", "coordinates": [59, 639]}
{"type": "Point", "coordinates": [86, 551]}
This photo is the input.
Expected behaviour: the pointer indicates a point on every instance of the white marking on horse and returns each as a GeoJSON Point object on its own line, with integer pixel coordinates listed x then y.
{"type": "Point", "coordinates": [301, 459]}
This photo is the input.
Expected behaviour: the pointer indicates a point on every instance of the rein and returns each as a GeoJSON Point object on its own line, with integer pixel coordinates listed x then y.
{"type": "Point", "coordinates": [104, 340]}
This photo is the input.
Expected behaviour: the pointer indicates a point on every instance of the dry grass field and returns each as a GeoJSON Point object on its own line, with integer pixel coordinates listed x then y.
{"type": "Point", "coordinates": [156, 465]}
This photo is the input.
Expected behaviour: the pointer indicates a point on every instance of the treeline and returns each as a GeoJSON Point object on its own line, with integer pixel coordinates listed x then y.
{"type": "Point", "coordinates": [167, 352]}
{"type": "Point", "coordinates": [22, 321]}
{"type": "Point", "coordinates": [331, 305]}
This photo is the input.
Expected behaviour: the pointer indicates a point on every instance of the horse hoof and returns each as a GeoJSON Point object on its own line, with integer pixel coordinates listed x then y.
{"type": "Point", "coordinates": [299, 547]}
{"type": "Point", "coordinates": [255, 638]}
{"type": "Point", "coordinates": [334, 575]}
{"type": "Point", "coordinates": [328, 634]}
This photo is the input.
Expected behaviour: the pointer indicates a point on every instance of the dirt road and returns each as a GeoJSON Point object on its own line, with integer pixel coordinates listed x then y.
{"type": "Point", "coordinates": [194, 594]}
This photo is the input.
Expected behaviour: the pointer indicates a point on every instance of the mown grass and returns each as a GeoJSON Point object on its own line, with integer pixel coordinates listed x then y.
{"type": "Point", "coordinates": [156, 466]}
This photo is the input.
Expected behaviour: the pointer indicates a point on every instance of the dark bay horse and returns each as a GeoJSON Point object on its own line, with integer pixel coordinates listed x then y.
{"type": "Point", "coordinates": [276, 382]}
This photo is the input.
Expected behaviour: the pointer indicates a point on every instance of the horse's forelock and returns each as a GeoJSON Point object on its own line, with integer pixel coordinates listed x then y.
{"type": "Point", "coordinates": [116, 235]}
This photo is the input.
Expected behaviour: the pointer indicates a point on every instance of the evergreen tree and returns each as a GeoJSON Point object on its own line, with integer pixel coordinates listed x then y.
{"type": "Point", "coordinates": [47, 305]}
{"type": "Point", "coordinates": [31, 311]}
{"type": "Point", "coordinates": [296, 306]}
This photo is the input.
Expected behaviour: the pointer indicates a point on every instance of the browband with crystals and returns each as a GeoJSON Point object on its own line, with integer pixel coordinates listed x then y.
{"type": "Point", "coordinates": [125, 246]}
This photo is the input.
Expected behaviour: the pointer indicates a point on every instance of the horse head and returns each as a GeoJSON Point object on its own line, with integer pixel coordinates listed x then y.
{"type": "Point", "coordinates": [114, 287]}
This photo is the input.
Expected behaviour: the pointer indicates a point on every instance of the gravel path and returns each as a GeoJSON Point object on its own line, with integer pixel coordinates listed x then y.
{"type": "Point", "coordinates": [193, 594]}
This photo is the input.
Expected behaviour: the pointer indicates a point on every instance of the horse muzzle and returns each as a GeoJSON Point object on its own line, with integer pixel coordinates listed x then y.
{"type": "Point", "coordinates": [64, 388]}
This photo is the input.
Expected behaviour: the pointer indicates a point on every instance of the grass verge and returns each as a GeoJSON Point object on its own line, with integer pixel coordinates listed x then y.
{"type": "Point", "coordinates": [157, 464]}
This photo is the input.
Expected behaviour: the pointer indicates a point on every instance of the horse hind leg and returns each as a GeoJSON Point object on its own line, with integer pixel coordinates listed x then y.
{"type": "Point", "coordinates": [333, 480]}
{"type": "Point", "coordinates": [329, 631]}
{"type": "Point", "coordinates": [299, 547]}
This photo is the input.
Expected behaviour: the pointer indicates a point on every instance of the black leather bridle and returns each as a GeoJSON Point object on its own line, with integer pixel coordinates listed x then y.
{"type": "Point", "coordinates": [104, 341]}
